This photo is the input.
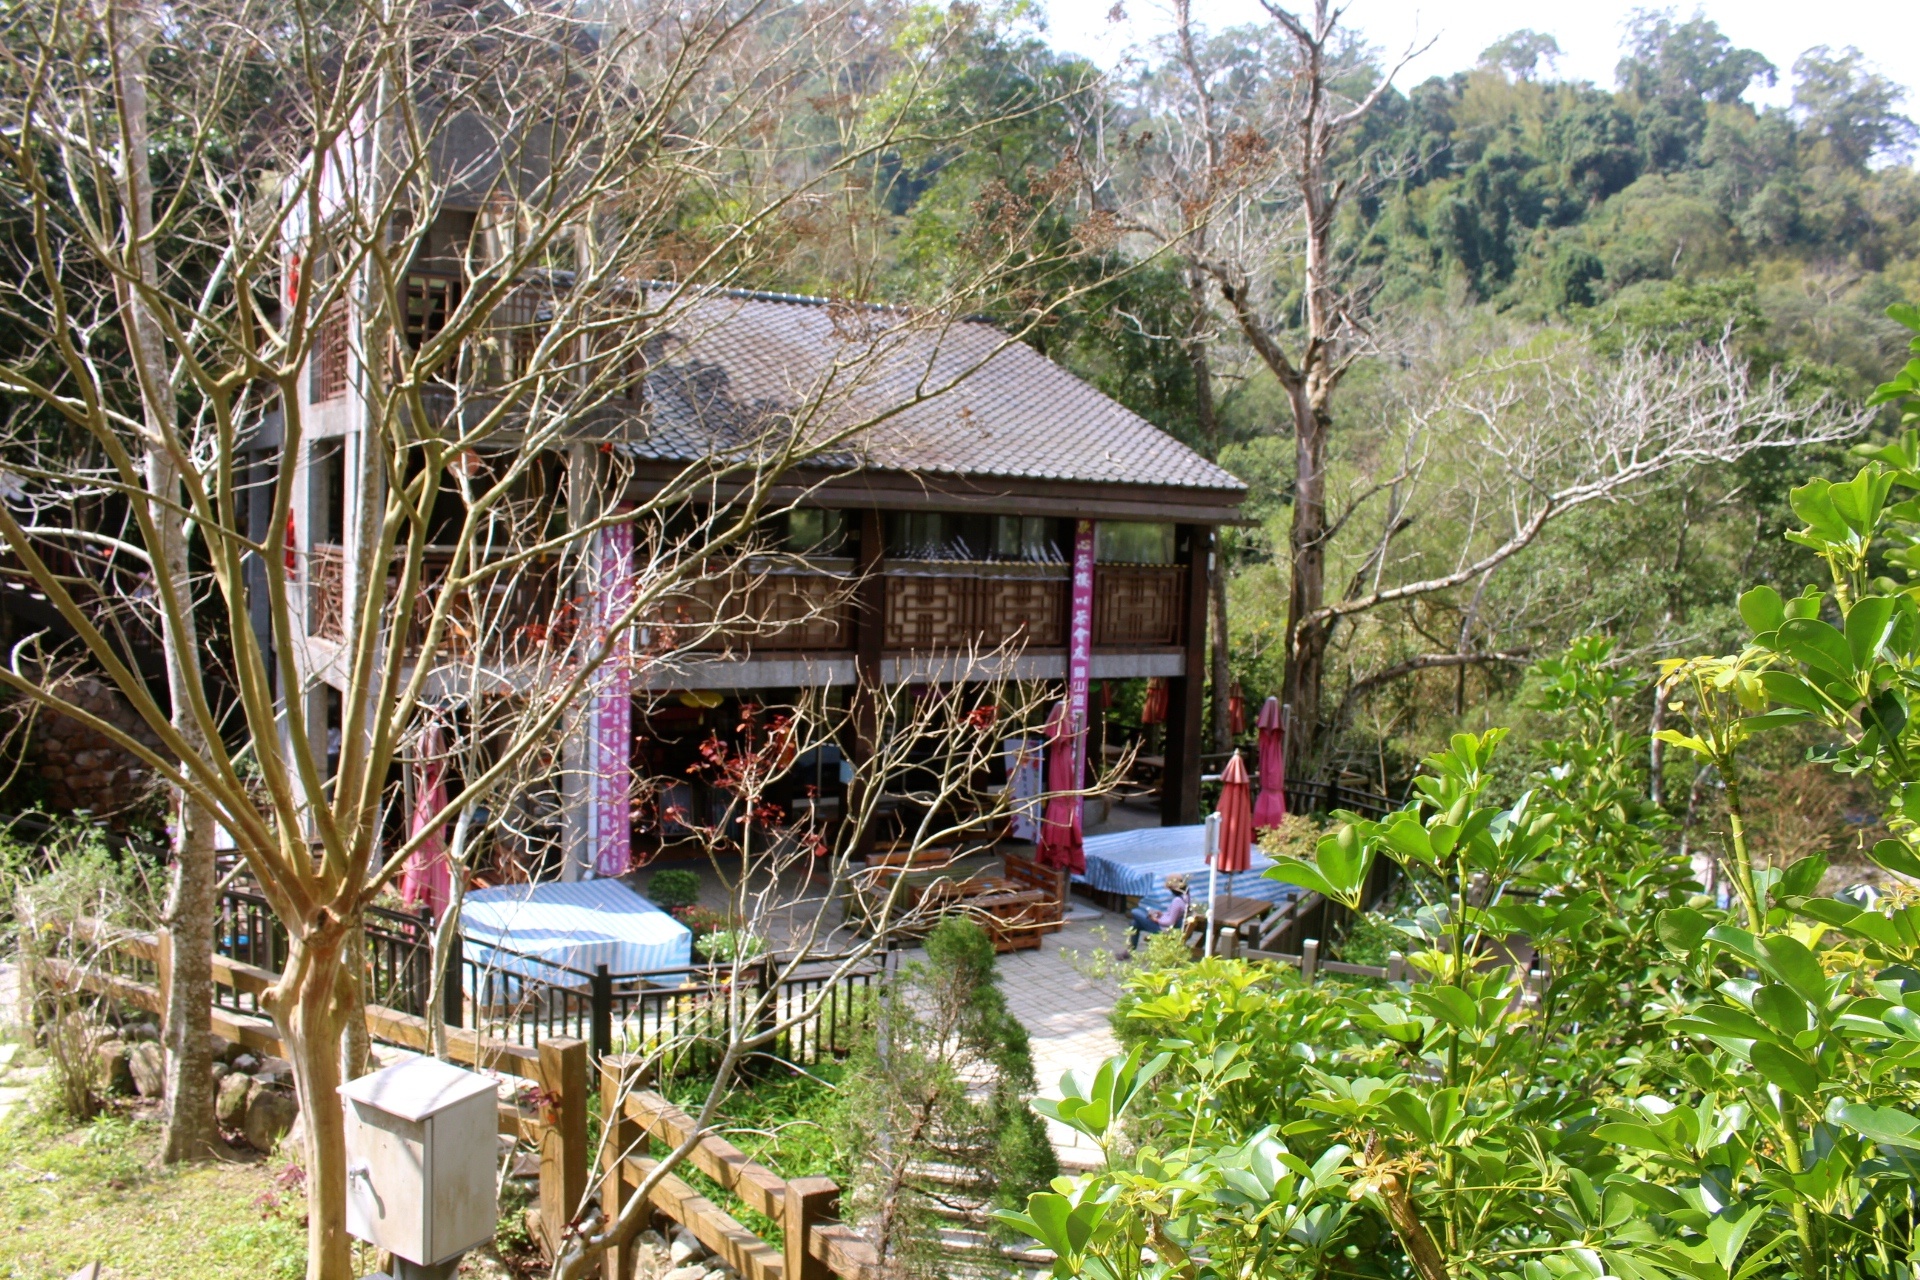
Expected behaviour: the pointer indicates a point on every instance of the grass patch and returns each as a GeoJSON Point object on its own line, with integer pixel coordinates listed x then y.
{"type": "Point", "coordinates": [71, 1195]}
{"type": "Point", "coordinates": [784, 1122]}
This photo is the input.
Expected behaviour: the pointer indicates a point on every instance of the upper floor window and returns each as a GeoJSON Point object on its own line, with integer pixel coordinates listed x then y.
{"type": "Point", "coordinates": [814, 531]}
{"type": "Point", "coordinates": [1133, 542]}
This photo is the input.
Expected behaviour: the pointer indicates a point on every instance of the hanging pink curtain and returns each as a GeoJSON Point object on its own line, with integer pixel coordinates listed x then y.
{"type": "Point", "coordinates": [1155, 709]}
{"type": "Point", "coordinates": [1060, 833]}
{"type": "Point", "coordinates": [1271, 809]}
{"type": "Point", "coordinates": [427, 879]}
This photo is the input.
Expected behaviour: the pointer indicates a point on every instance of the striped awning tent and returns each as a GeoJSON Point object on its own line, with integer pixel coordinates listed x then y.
{"type": "Point", "coordinates": [576, 924]}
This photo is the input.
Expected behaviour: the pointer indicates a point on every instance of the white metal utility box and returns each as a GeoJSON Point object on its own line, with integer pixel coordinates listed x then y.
{"type": "Point", "coordinates": [420, 1159]}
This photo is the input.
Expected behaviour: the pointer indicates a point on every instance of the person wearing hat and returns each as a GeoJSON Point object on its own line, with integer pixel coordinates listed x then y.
{"type": "Point", "coordinates": [1145, 921]}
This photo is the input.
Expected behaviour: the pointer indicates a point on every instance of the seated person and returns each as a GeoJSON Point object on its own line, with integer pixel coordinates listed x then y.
{"type": "Point", "coordinates": [1145, 921]}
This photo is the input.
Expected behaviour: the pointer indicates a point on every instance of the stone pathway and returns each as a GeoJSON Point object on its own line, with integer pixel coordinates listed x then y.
{"type": "Point", "coordinates": [1066, 1013]}
{"type": "Point", "coordinates": [16, 1080]}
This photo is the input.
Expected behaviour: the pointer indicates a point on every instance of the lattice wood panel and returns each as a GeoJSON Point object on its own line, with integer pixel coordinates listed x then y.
{"type": "Point", "coordinates": [1138, 604]}
{"type": "Point", "coordinates": [326, 592]}
{"type": "Point", "coordinates": [930, 611]}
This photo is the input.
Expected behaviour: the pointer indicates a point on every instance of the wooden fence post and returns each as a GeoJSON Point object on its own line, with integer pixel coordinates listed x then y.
{"type": "Point", "coordinates": [1229, 944]}
{"type": "Point", "coordinates": [1309, 959]}
{"type": "Point", "coordinates": [621, 1142]}
{"type": "Point", "coordinates": [810, 1202]}
{"type": "Point", "coordinates": [1396, 966]}
{"type": "Point", "coordinates": [563, 1147]}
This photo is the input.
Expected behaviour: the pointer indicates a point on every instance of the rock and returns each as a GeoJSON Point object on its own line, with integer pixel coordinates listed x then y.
{"type": "Point", "coordinates": [275, 1071]}
{"type": "Point", "coordinates": [115, 1071]}
{"type": "Point", "coordinates": [296, 1139]}
{"type": "Point", "coordinates": [146, 1031]}
{"type": "Point", "coordinates": [231, 1104]}
{"type": "Point", "coordinates": [270, 1117]}
{"type": "Point", "coordinates": [245, 1062]}
{"type": "Point", "coordinates": [695, 1271]}
{"type": "Point", "coordinates": [219, 1048]}
{"type": "Point", "coordinates": [220, 1071]}
{"type": "Point", "coordinates": [149, 1067]}
{"type": "Point", "coordinates": [652, 1238]}
{"type": "Point", "coordinates": [685, 1247]}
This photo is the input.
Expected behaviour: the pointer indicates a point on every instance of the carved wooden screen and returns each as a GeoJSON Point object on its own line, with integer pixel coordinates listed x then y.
{"type": "Point", "coordinates": [326, 592]}
{"type": "Point", "coordinates": [936, 606]}
{"type": "Point", "coordinates": [1138, 605]}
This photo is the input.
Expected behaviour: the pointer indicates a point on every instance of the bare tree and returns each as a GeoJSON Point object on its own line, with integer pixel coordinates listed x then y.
{"type": "Point", "coordinates": [1497, 442]}
{"type": "Point", "coordinates": [1242, 162]}
{"type": "Point", "coordinates": [481, 202]}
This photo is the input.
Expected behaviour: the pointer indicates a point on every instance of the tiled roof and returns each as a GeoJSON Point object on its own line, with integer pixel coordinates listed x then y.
{"type": "Point", "coordinates": [954, 398]}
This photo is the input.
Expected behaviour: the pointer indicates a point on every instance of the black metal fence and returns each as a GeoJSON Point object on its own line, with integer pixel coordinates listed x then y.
{"type": "Point", "coordinates": [819, 1005]}
{"type": "Point", "coordinates": [399, 956]}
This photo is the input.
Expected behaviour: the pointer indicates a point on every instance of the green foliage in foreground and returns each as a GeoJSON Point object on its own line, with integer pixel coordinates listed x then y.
{"type": "Point", "coordinates": [1697, 1090]}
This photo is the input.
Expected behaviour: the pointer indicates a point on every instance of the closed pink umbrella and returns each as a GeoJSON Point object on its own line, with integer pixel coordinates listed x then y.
{"type": "Point", "coordinates": [1271, 808]}
{"type": "Point", "coordinates": [1060, 842]}
{"type": "Point", "coordinates": [1234, 827]}
{"type": "Point", "coordinates": [1236, 819]}
{"type": "Point", "coordinates": [428, 877]}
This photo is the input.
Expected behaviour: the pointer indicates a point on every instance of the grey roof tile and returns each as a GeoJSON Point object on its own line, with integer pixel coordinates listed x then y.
{"type": "Point", "coordinates": [905, 393]}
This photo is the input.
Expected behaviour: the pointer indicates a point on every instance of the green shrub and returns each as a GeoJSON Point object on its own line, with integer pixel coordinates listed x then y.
{"type": "Point", "coordinates": [726, 945]}
{"type": "Point", "coordinates": [677, 887]}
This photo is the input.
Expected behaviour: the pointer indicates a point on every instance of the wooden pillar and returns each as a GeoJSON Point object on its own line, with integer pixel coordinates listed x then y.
{"type": "Point", "coordinates": [869, 648]}
{"type": "Point", "coordinates": [621, 1142]}
{"type": "Point", "coordinates": [809, 1203]}
{"type": "Point", "coordinates": [563, 1146]}
{"type": "Point", "coordinates": [1186, 693]}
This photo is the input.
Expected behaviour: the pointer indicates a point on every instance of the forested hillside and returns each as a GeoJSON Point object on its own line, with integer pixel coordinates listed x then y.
{"type": "Point", "coordinates": [1494, 220]}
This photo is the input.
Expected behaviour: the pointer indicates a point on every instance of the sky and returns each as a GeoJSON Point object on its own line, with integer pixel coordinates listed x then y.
{"type": "Point", "coordinates": [1589, 31]}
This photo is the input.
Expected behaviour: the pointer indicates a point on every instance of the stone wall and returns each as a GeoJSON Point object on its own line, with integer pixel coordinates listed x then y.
{"type": "Point", "coordinates": [78, 767]}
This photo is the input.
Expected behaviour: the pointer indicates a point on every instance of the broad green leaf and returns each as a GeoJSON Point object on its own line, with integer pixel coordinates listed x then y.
{"type": "Point", "coordinates": [1894, 855]}
{"type": "Point", "coordinates": [1682, 928]}
{"type": "Point", "coordinates": [1782, 1067]}
{"type": "Point", "coordinates": [1789, 960]}
{"type": "Point", "coordinates": [1817, 644]}
{"type": "Point", "coordinates": [1763, 610]}
{"type": "Point", "coordinates": [1878, 1124]}
{"type": "Point", "coordinates": [1868, 623]}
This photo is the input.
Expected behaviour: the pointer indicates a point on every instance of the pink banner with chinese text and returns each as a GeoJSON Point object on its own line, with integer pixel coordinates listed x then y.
{"type": "Point", "coordinates": [610, 716]}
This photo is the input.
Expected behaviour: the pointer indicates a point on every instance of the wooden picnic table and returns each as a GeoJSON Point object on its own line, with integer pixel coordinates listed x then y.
{"type": "Point", "coordinates": [1232, 912]}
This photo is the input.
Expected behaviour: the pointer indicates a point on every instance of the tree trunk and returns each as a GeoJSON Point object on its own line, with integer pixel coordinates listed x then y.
{"type": "Point", "coordinates": [308, 1007]}
{"type": "Point", "coordinates": [1307, 586]}
{"type": "Point", "coordinates": [191, 1129]}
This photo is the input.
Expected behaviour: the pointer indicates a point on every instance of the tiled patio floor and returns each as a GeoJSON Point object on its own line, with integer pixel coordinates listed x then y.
{"type": "Point", "coordinates": [1066, 1013]}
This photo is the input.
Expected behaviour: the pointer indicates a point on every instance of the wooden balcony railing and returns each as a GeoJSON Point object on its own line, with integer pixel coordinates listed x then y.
{"type": "Point", "coordinates": [1139, 605]}
{"type": "Point", "coordinates": [328, 363]}
{"type": "Point", "coordinates": [931, 606]}
{"type": "Point", "coordinates": [939, 605]}
{"type": "Point", "coordinates": [326, 592]}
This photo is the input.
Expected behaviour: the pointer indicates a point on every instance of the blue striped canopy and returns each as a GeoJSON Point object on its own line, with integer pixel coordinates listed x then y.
{"type": "Point", "coordinates": [578, 924]}
{"type": "Point", "coordinates": [1137, 863]}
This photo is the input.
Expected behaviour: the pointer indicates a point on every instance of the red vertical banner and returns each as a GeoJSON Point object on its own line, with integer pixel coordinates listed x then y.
{"type": "Point", "coordinates": [1080, 644]}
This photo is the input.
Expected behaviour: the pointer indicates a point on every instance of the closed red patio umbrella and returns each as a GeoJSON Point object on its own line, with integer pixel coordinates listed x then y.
{"type": "Point", "coordinates": [1154, 711]}
{"type": "Point", "coordinates": [1060, 835]}
{"type": "Point", "coordinates": [1271, 808]}
{"type": "Point", "coordinates": [1235, 851]}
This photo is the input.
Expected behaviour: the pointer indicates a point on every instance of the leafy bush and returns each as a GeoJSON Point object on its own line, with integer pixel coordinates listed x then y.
{"type": "Point", "coordinates": [1694, 1091]}
{"type": "Point", "coordinates": [723, 946]}
{"type": "Point", "coordinates": [943, 1079]}
{"type": "Point", "coordinates": [675, 887]}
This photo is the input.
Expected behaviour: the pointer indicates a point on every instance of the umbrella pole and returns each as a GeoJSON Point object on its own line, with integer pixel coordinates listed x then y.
{"type": "Point", "coordinates": [1213, 878]}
